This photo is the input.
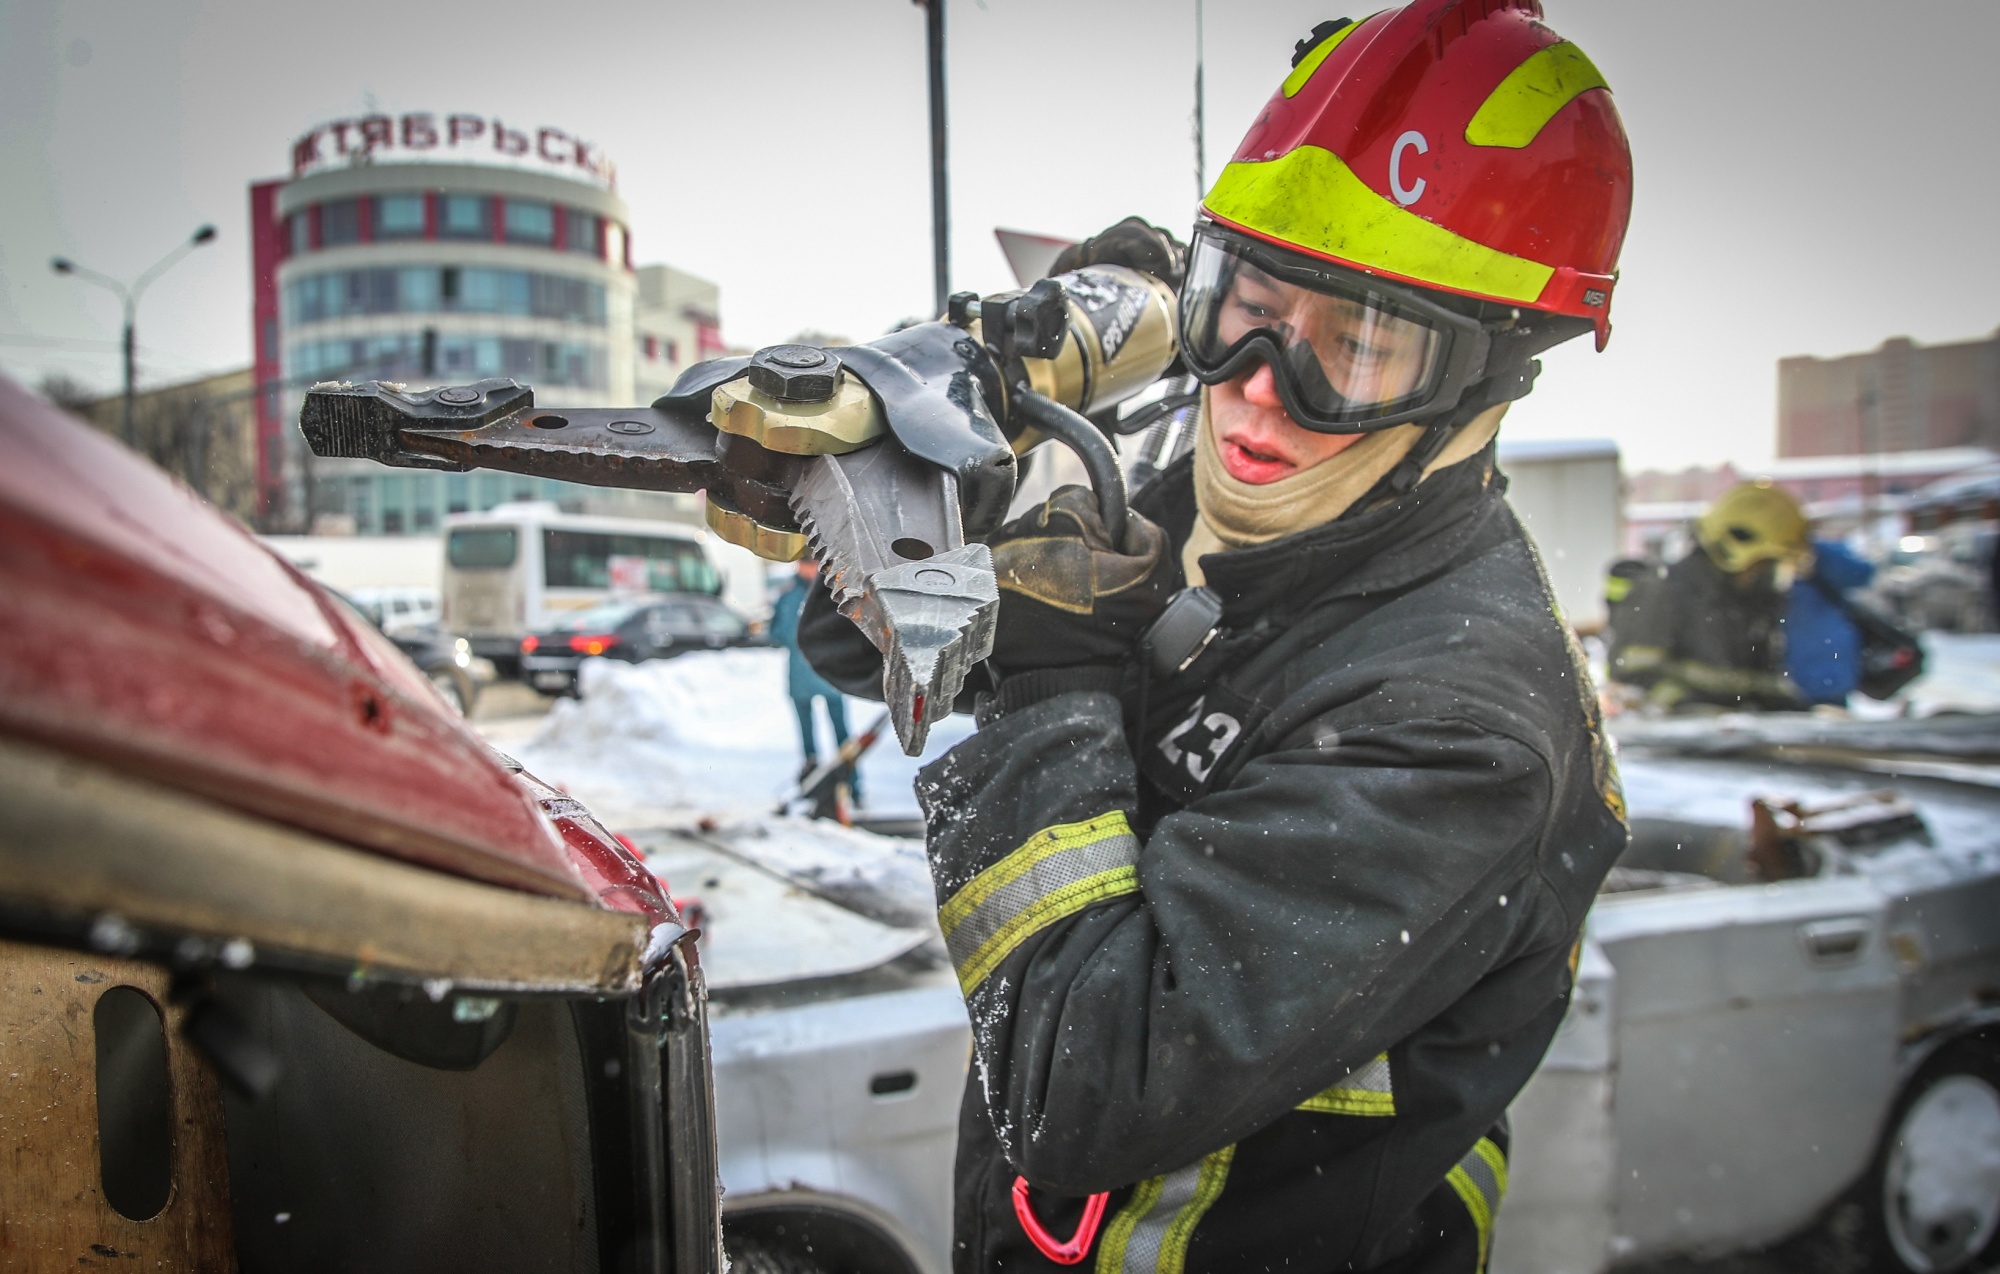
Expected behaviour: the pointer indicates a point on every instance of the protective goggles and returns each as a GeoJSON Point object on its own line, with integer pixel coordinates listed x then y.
{"type": "Point", "coordinates": [1351, 353]}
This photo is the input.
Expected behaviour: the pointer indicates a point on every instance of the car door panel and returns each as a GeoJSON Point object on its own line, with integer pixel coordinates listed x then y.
{"type": "Point", "coordinates": [1757, 1052]}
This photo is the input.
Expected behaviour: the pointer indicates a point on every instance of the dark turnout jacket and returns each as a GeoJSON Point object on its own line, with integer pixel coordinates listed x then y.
{"type": "Point", "coordinates": [1267, 963]}
{"type": "Point", "coordinates": [1690, 635]}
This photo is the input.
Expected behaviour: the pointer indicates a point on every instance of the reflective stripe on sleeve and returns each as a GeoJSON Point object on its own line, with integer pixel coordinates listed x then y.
{"type": "Point", "coordinates": [1059, 872]}
{"type": "Point", "coordinates": [1150, 1234]}
{"type": "Point", "coordinates": [1480, 1180]}
{"type": "Point", "coordinates": [1366, 1091]}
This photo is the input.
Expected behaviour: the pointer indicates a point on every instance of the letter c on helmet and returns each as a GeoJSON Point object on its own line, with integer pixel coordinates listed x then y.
{"type": "Point", "coordinates": [1406, 195]}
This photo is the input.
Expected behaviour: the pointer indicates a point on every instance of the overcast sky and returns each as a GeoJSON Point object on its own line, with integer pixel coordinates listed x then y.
{"type": "Point", "coordinates": [1812, 175]}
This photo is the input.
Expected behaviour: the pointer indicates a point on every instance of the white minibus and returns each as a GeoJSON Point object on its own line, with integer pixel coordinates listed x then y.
{"type": "Point", "coordinates": [520, 567]}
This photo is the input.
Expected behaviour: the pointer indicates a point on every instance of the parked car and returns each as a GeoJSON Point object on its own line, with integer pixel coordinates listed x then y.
{"type": "Point", "coordinates": [446, 661]}
{"type": "Point", "coordinates": [295, 972]}
{"type": "Point", "coordinates": [634, 631]}
{"type": "Point", "coordinates": [1940, 581]}
{"type": "Point", "coordinates": [395, 609]}
{"type": "Point", "coordinates": [1785, 1029]}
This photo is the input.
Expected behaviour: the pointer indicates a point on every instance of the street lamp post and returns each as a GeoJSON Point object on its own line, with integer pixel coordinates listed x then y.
{"type": "Point", "coordinates": [128, 296]}
{"type": "Point", "coordinates": [940, 175]}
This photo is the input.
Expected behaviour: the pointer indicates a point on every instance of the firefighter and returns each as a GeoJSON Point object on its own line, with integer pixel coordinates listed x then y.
{"type": "Point", "coordinates": [1708, 632]}
{"type": "Point", "coordinates": [1264, 872]}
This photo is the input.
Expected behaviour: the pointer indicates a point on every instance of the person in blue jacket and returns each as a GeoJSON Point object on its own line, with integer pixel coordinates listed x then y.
{"type": "Point", "coordinates": [804, 683]}
{"type": "Point", "coordinates": [1822, 644]}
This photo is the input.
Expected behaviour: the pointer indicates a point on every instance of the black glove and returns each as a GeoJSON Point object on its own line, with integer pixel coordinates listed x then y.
{"type": "Point", "coordinates": [1134, 243]}
{"type": "Point", "coordinates": [1073, 606]}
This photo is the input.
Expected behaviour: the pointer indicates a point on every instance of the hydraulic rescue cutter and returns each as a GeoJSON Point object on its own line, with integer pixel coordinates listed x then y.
{"type": "Point", "coordinates": [888, 461]}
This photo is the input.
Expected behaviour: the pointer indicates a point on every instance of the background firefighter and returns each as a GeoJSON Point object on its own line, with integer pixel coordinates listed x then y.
{"type": "Point", "coordinates": [1260, 942]}
{"type": "Point", "coordinates": [1710, 629]}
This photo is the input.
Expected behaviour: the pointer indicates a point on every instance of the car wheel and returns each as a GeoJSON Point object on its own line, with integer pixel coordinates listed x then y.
{"type": "Point", "coordinates": [1930, 1201]}
{"type": "Point", "coordinates": [753, 1256]}
{"type": "Point", "coordinates": [447, 686]}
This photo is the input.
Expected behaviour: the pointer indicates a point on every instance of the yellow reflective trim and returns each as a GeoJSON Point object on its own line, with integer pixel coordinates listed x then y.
{"type": "Point", "coordinates": [1349, 1101]}
{"type": "Point", "coordinates": [1515, 113]}
{"type": "Point", "coordinates": [1617, 588]}
{"type": "Point", "coordinates": [1111, 1252]}
{"type": "Point", "coordinates": [1214, 1175]}
{"type": "Point", "coordinates": [1361, 1093]}
{"type": "Point", "coordinates": [1486, 1150]}
{"type": "Point", "coordinates": [1136, 1242]}
{"type": "Point", "coordinates": [1310, 62]}
{"type": "Point", "coordinates": [1310, 198]}
{"type": "Point", "coordinates": [1066, 901]}
{"type": "Point", "coordinates": [1044, 844]}
{"type": "Point", "coordinates": [1477, 1204]}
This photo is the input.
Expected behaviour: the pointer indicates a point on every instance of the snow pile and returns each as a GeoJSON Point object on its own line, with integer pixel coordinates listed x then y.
{"type": "Point", "coordinates": [729, 699]}
{"type": "Point", "coordinates": [710, 734]}
{"type": "Point", "coordinates": [884, 878]}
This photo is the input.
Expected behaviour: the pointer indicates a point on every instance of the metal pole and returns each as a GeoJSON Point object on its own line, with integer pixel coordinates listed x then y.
{"type": "Point", "coordinates": [1871, 442]}
{"type": "Point", "coordinates": [131, 438]}
{"type": "Point", "coordinates": [940, 191]}
{"type": "Point", "coordinates": [129, 298]}
{"type": "Point", "coordinates": [1200, 157]}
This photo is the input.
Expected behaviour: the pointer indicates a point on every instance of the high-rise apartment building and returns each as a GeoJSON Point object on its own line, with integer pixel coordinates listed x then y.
{"type": "Point", "coordinates": [1900, 397]}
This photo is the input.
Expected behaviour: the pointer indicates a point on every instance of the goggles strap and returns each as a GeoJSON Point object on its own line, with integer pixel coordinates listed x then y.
{"type": "Point", "coordinates": [1403, 479]}
{"type": "Point", "coordinates": [1409, 471]}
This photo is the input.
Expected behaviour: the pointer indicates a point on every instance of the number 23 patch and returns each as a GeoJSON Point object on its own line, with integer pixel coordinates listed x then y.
{"type": "Point", "coordinates": [1183, 759]}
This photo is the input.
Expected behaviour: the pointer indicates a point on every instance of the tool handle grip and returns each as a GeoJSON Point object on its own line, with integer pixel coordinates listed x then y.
{"type": "Point", "coordinates": [1091, 446]}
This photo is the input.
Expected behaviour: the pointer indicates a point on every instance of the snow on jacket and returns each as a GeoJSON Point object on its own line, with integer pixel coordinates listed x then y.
{"type": "Point", "coordinates": [1272, 978]}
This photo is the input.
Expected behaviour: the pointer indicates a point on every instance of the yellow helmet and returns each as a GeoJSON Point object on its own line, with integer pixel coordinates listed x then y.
{"type": "Point", "coordinates": [1752, 523]}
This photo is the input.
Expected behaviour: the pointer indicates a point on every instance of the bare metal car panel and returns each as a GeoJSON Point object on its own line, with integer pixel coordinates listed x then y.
{"type": "Point", "coordinates": [1760, 1032]}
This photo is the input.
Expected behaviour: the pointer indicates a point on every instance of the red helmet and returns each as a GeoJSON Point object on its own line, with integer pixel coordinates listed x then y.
{"type": "Point", "coordinates": [1458, 145]}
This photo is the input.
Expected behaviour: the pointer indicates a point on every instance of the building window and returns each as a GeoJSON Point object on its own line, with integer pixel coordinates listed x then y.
{"type": "Point", "coordinates": [339, 222]}
{"type": "Point", "coordinates": [582, 232]}
{"type": "Point", "coordinates": [652, 347]}
{"type": "Point", "coordinates": [530, 222]}
{"type": "Point", "coordinates": [399, 216]}
{"type": "Point", "coordinates": [465, 217]}
{"type": "Point", "coordinates": [302, 232]}
{"type": "Point", "coordinates": [452, 289]}
{"type": "Point", "coordinates": [673, 351]}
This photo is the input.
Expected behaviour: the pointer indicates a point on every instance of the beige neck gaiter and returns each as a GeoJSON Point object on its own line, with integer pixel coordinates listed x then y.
{"type": "Point", "coordinates": [1237, 514]}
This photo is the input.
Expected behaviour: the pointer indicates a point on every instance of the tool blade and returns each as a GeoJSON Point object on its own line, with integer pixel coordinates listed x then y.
{"type": "Point", "coordinates": [885, 528]}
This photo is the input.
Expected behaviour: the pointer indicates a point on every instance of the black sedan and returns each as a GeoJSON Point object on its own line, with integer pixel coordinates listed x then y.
{"type": "Point", "coordinates": [634, 631]}
{"type": "Point", "coordinates": [449, 663]}
{"type": "Point", "coordinates": [445, 659]}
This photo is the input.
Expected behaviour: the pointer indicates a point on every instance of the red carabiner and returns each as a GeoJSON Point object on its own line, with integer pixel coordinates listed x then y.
{"type": "Point", "coordinates": [1078, 1247]}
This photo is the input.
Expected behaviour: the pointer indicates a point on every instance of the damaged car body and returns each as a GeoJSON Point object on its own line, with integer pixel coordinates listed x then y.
{"type": "Point", "coordinates": [1786, 1028]}
{"type": "Point", "coordinates": [295, 972]}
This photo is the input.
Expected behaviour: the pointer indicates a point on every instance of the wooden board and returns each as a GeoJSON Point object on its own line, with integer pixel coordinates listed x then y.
{"type": "Point", "coordinates": [53, 1213]}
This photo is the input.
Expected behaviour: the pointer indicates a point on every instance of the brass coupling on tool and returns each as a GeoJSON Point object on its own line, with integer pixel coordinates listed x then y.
{"type": "Point", "coordinates": [795, 400]}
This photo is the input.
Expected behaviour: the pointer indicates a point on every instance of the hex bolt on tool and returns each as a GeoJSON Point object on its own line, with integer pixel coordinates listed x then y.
{"type": "Point", "coordinates": [888, 461]}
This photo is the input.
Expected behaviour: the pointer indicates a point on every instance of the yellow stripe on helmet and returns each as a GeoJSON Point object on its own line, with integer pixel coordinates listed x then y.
{"type": "Point", "coordinates": [1515, 113]}
{"type": "Point", "coordinates": [1311, 61]}
{"type": "Point", "coordinates": [1309, 198]}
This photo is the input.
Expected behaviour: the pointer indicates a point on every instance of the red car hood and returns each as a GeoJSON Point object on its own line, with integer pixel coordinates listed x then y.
{"type": "Point", "coordinates": [151, 631]}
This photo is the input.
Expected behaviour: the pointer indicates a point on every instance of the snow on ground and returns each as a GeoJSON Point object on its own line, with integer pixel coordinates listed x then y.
{"type": "Point", "coordinates": [708, 735]}
{"type": "Point", "coordinates": [1961, 673]}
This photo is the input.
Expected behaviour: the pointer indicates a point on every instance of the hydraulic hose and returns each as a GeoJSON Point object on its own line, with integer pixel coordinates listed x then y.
{"type": "Point", "coordinates": [1090, 445]}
